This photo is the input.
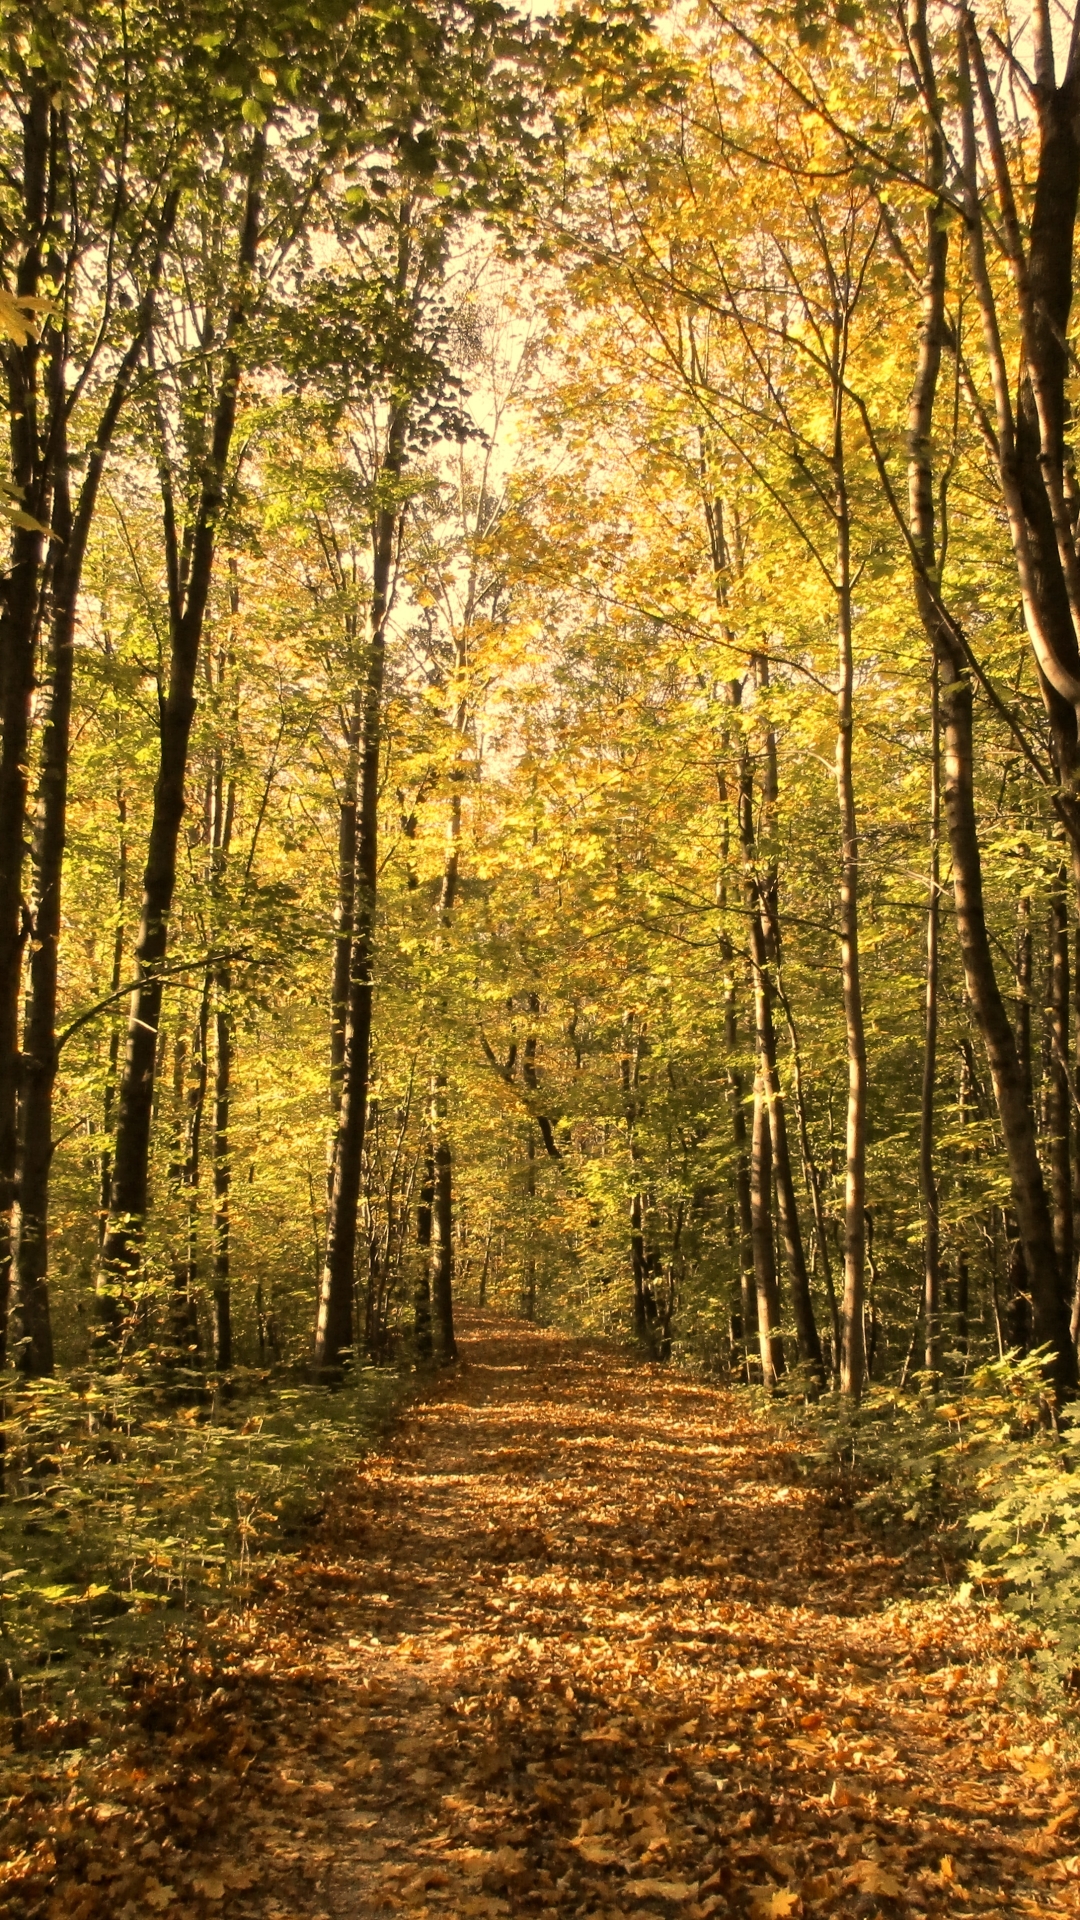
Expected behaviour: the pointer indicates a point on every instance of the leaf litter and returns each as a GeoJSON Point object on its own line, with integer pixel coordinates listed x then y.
{"type": "Point", "coordinates": [581, 1641]}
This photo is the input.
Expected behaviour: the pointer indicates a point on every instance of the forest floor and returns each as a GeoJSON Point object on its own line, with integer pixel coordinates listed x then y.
{"type": "Point", "coordinates": [579, 1641]}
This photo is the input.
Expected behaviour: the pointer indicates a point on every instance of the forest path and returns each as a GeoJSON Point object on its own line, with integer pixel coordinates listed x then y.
{"type": "Point", "coordinates": [582, 1642]}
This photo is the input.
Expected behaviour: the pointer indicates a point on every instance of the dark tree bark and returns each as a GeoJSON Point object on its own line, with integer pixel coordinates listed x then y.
{"type": "Point", "coordinates": [928, 1186]}
{"type": "Point", "coordinates": [1022, 1004]}
{"type": "Point", "coordinates": [334, 1322]}
{"type": "Point", "coordinates": [1074, 1322]}
{"type": "Point", "coordinates": [422, 1297]}
{"type": "Point", "coordinates": [764, 951]}
{"type": "Point", "coordinates": [812, 1176]}
{"type": "Point", "coordinates": [223, 1058]}
{"type": "Point", "coordinates": [639, 1271]}
{"type": "Point", "coordinates": [71, 524]}
{"type": "Point", "coordinates": [528, 1301]}
{"type": "Point", "coordinates": [105, 1166]}
{"type": "Point", "coordinates": [121, 1251]}
{"type": "Point", "coordinates": [1050, 1321]}
{"type": "Point", "coordinates": [18, 634]}
{"type": "Point", "coordinates": [1058, 1097]}
{"type": "Point", "coordinates": [346, 890]}
{"type": "Point", "coordinates": [1013, 1102]}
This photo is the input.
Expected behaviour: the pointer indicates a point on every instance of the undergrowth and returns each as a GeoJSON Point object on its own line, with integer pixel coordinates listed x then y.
{"type": "Point", "coordinates": [138, 1509]}
{"type": "Point", "coordinates": [985, 1465]}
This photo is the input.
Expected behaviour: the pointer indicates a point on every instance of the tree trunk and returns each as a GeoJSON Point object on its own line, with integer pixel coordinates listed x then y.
{"type": "Point", "coordinates": [764, 941]}
{"type": "Point", "coordinates": [741, 1169]}
{"type": "Point", "coordinates": [1074, 1322]}
{"type": "Point", "coordinates": [812, 1178]}
{"type": "Point", "coordinates": [927, 1175]}
{"type": "Point", "coordinates": [105, 1165]}
{"type": "Point", "coordinates": [121, 1251]}
{"type": "Point", "coordinates": [529, 1294]}
{"type": "Point", "coordinates": [852, 1357]}
{"type": "Point", "coordinates": [442, 1251]}
{"type": "Point", "coordinates": [1022, 1004]}
{"type": "Point", "coordinates": [18, 633]}
{"type": "Point", "coordinates": [768, 1298]}
{"type": "Point", "coordinates": [223, 1058]}
{"type": "Point", "coordinates": [1058, 1099]}
{"type": "Point", "coordinates": [71, 530]}
{"type": "Point", "coordinates": [334, 1323]}
{"type": "Point", "coordinates": [761, 888]}
{"type": "Point", "coordinates": [343, 918]}
{"type": "Point", "coordinates": [422, 1297]}
{"type": "Point", "coordinates": [1050, 1322]}
{"type": "Point", "coordinates": [1012, 1094]}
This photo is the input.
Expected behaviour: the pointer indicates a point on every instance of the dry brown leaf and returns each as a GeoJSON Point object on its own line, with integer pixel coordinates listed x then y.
{"type": "Point", "coordinates": [663, 1889]}
{"type": "Point", "coordinates": [869, 1877]}
{"type": "Point", "coordinates": [597, 1853]}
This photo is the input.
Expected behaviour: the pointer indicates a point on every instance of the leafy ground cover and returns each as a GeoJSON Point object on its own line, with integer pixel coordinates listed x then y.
{"type": "Point", "coordinates": [144, 1508]}
{"type": "Point", "coordinates": [583, 1640]}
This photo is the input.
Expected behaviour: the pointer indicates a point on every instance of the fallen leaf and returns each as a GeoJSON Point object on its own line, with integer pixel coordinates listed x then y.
{"type": "Point", "coordinates": [597, 1854]}
{"type": "Point", "coordinates": [870, 1878]}
{"type": "Point", "coordinates": [663, 1889]}
{"type": "Point", "coordinates": [776, 1904]}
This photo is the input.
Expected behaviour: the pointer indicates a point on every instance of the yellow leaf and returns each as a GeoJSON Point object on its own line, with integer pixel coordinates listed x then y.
{"type": "Point", "coordinates": [776, 1904]}
{"type": "Point", "coordinates": [210, 1885]}
{"type": "Point", "coordinates": [158, 1896]}
{"type": "Point", "coordinates": [663, 1889]}
{"type": "Point", "coordinates": [18, 319]}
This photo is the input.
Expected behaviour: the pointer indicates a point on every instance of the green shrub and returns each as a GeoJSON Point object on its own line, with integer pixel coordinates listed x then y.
{"type": "Point", "coordinates": [136, 1504]}
{"type": "Point", "coordinates": [987, 1463]}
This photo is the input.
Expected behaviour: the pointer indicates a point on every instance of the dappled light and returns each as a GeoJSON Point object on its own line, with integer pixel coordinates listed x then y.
{"type": "Point", "coordinates": [581, 1641]}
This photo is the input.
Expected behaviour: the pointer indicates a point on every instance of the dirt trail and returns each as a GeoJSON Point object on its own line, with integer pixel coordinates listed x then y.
{"type": "Point", "coordinates": [581, 1642]}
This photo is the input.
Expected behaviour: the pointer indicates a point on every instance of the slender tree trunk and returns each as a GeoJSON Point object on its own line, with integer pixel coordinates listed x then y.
{"type": "Point", "coordinates": [852, 1357]}
{"type": "Point", "coordinates": [334, 1323]}
{"type": "Point", "coordinates": [529, 1298]}
{"type": "Point", "coordinates": [1074, 1322]}
{"type": "Point", "coordinates": [71, 530]}
{"type": "Point", "coordinates": [768, 1298]}
{"type": "Point", "coordinates": [223, 1058]}
{"type": "Point", "coordinates": [1050, 1320]}
{"type": "Point", "coordinates": [190, 1074]}
{"type": "Point", "coordinates": [18, 633]}
{"type": "Point", "coordinates": [105, 1164]}
{"type": "Point", "coordinates": [481, 1291]}
{"type": "Point", "coordinates": [422, 1297]}
{"type": "Point", "coordinates": [639, 1270]}
{"type": "Point", "coordinates": [1057, 1082]}
{"type": "Point", "coordinates": [741, 1168]}
{"type": "Point", "coordinates": [442, 1251]}
{"type": "Point", "coordinates": [762, 916]}
{"type": "Point", "coordinates": [630, 1077]}
{"type": "Point", "coordinates": [812, 1178]}
{"type": "Point", "coordinates": [927, 1174]}
{"type": "Point", "coordinates": [121, 1251]}
{"type": "Point", "coordinates": [343, 918]}
{"type": "Point", "coordinates": [1024, 969]}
